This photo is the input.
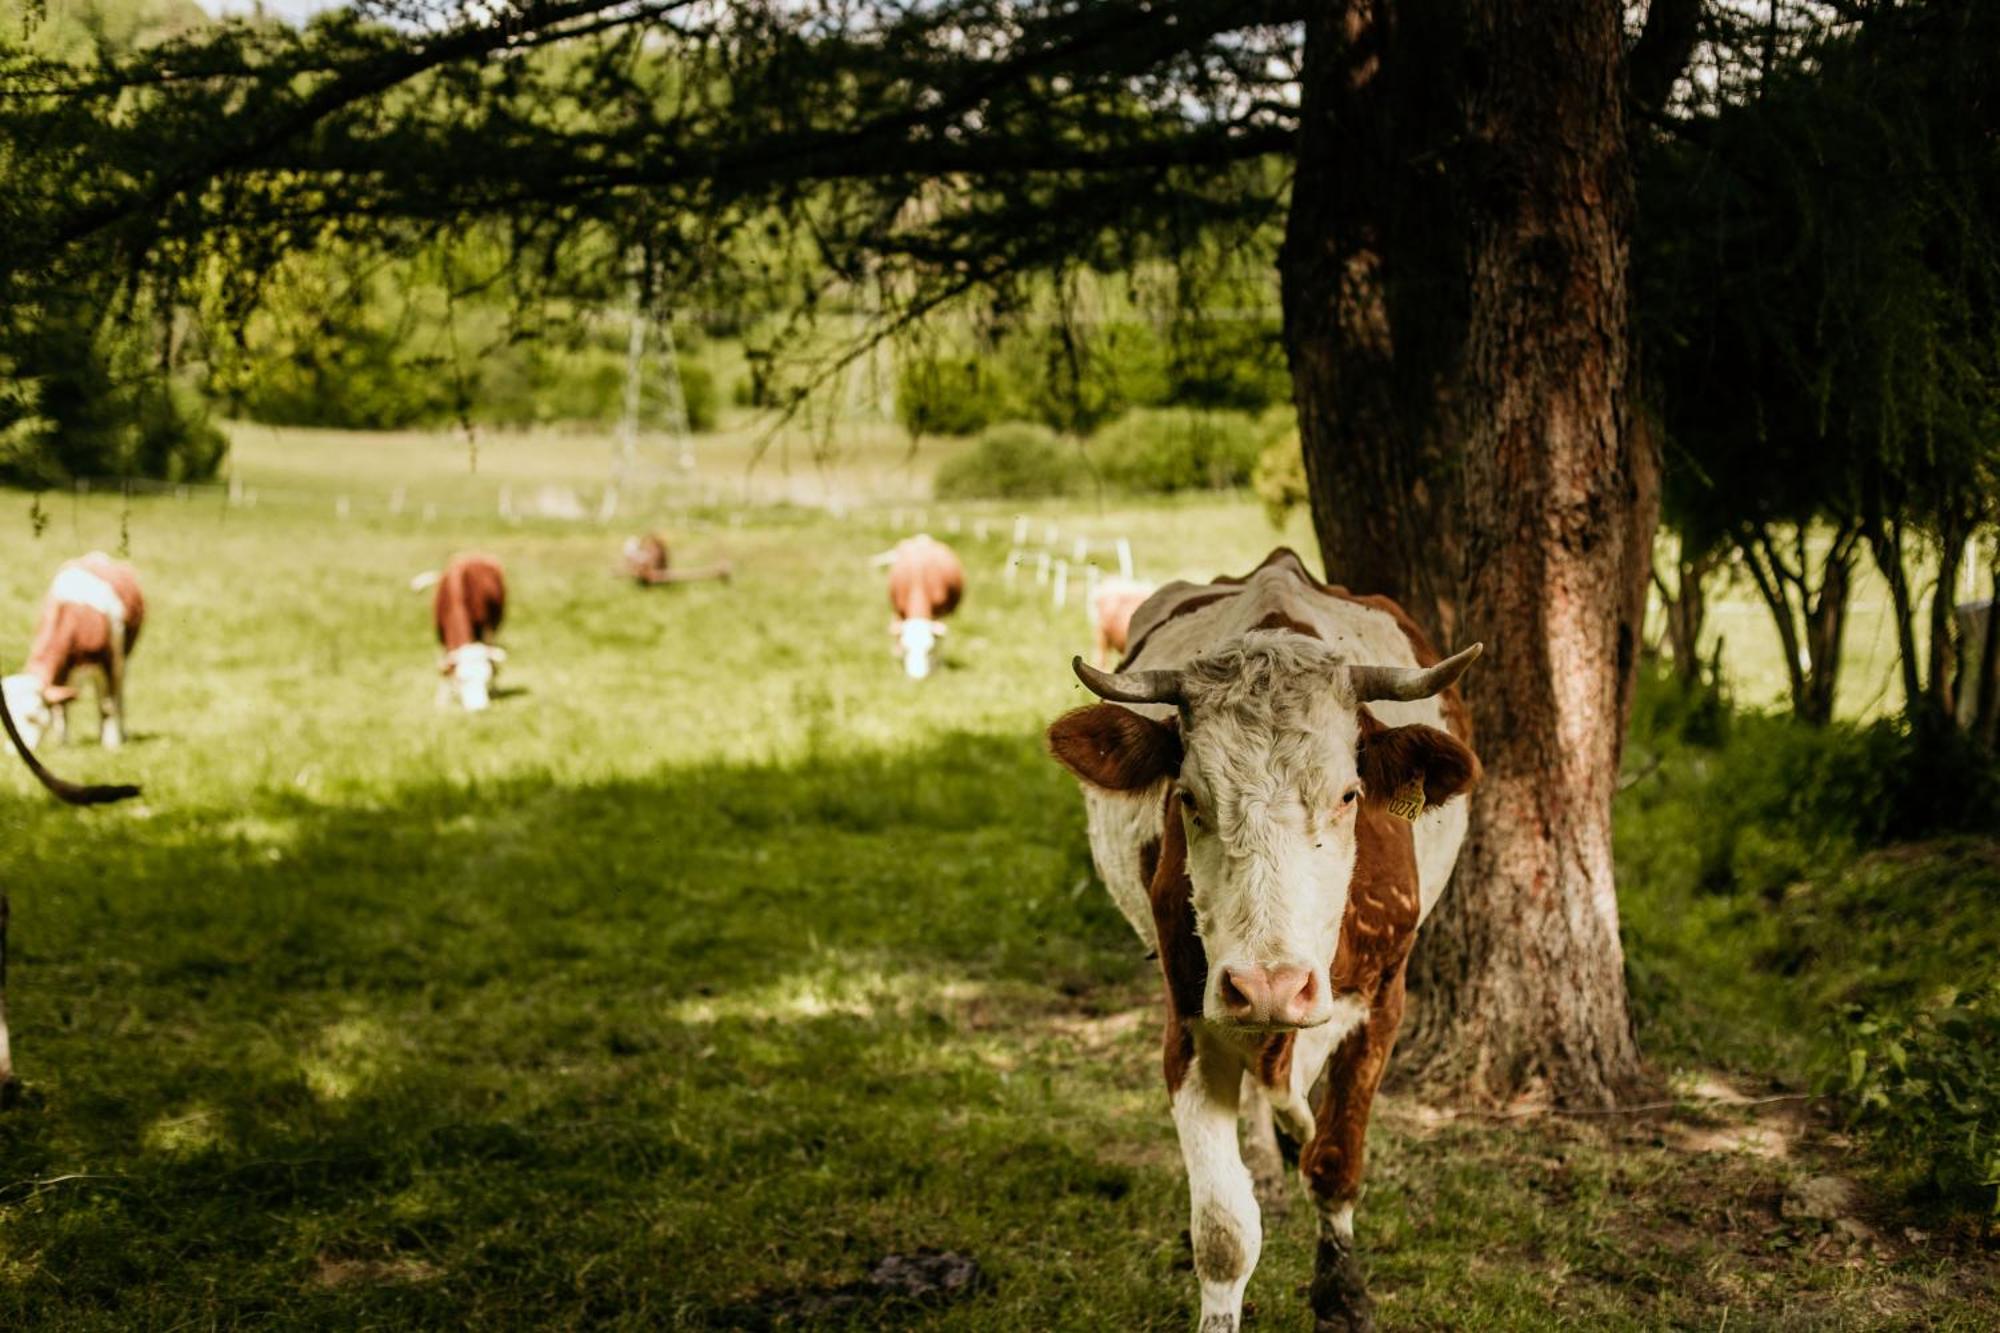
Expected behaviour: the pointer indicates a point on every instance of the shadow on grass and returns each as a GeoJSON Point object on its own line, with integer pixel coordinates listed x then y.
{"type": "Point", "coordinates": [522, 1054]}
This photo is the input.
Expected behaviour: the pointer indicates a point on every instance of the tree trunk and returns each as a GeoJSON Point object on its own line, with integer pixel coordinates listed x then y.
{"type": "Point", "coordinates": [1454, 272]}
{"type": "Point", "coordinates": [1686, 606]}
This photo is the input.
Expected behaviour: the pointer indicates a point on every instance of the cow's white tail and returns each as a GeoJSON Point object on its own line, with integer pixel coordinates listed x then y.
{"type": "Point", "coordinates": [428, 579]}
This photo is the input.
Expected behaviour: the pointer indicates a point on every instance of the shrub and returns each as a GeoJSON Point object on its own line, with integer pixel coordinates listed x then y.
{"type": "Point", "coordinates": [1077, 384]}
{"type": "Point", "coordinates": [1923, 1085]}
{"type": "Point", "coordinates": [1178, 449]}
{"type": "Point", "coordinates": [1016, 460]}
{"type": "Point", "coordinates": [935, 396]}
{"type": "Point", "coordinates": [1280, 478]}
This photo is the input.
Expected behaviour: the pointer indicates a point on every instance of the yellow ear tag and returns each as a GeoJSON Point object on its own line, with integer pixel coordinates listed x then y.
{"type": "Point", "coordinates": [1408, 802]}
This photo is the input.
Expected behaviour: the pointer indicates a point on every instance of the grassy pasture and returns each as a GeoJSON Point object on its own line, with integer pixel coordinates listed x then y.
{"type": "Point", "coordinates": [712, 965]}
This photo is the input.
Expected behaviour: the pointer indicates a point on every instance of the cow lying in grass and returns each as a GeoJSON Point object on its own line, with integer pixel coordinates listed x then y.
{"type": "Point", "coordinates": [88, 627]}
{"type": "Point", "coordinates": [471, 601]}
{"type": "Point", "coordinates": [1271, 794]}
{"type": "Point", "coordinates": [647, 562]}
{"type": "Point", "coordinates": [926, 582]}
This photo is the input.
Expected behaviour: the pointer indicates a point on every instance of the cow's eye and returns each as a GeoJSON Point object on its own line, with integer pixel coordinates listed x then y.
{"type": "Point", "coordinates": [1188, 804]}
{"type": "Point", "coordinates": [1350, 796]}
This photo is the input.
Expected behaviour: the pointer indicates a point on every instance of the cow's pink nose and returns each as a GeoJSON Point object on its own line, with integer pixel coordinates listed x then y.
{"type": "Point", "coordinates": [1279, 996]}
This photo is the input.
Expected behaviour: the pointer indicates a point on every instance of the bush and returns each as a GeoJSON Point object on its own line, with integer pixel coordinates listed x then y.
{"type": "Point", "coordinates": [1923, 1085]}
{"type": "Point", "coordinates": [1172, 449]}
{"type": "Point", "coordinates": [945, 397]}
{"type": "Point", "coordinates": [1016, 460]}
{"type": "Point", "coordinates": [1280, 478]}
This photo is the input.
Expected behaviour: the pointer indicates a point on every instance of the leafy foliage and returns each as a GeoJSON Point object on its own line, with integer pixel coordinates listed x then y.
{"type": "Point", "coordinates": [1172, 449]}
{"type": "Point", "coordinates": [85, 403]}
{"type": "Point", "coordinates": [1280, 478]}
{"type": "Point", "coordinates": [1924, 1085]}
{"type": "Point", "coordinates": [1819, 289]}
{"type": "Point", "coordinates": [1016, 460]}
{"type": "Point", "coordinates": [945, 396]}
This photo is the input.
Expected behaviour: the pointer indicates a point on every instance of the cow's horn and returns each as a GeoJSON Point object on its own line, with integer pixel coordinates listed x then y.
{"type": "Point", "coordinates": [1130, 687]}
{"type": "Point", "coordinates": [1405, 683]}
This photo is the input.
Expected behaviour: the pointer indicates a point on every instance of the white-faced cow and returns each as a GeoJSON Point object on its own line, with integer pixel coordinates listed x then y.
{"type": "Point", "coordinates": [470, 603]}
{"type": "Point", "coordinates": [89, 625]}
{"type": "Point", "coordinates": [1111, 610]}
{"type": "Point", "coordinates": [926, 581]}
{"type": "Point", "coordinates": [1271, 800]}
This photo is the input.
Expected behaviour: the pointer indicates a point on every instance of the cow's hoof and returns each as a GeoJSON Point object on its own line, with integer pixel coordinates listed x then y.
{"type": "Point", "coordinates": [1339, 1296]}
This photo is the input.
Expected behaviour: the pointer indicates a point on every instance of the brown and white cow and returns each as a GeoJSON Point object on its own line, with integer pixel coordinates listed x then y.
{"type": "Point", "coordinates": [89, 624]}
{"type": "Point", "coordinates": [1111, 610]}
{"type": "Point", "coordinates": [926, 582]}
{"type": "Point", "coordinates": [1271, 792]}
{"type": "Point", "coordinates": [471, 600]}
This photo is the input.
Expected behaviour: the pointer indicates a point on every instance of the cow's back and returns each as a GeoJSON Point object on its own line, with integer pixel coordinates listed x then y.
{"type": "Point", "coordinates": [926, 580]}
{"type": "Point", "coordinates": [74, 627]}
{"type": "Point", "coordinates": [471, 600]}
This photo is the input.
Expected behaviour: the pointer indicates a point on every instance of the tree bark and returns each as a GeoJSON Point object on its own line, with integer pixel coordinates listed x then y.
{"type": "Point", "coordinates": [1456, 310]}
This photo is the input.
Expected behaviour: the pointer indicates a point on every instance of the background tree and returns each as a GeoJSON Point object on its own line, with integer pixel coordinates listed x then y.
{"type": "Point", "coordinates": [1818, 278]}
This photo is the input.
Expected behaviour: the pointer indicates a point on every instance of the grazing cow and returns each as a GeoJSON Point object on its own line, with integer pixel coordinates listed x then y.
{"type": "Point", "coordinates": [926, 581]}
{"type": "Point", "coordinates": [1111, 615]}
{"type": "Point", "coordinates": [89, 625]}
{"type": "Point", "coordinates": [74, 794]}
{"type": "Point", "coordinates": [471, 600]}
{"type": "Point", "coordinates": [646, 561]}
{"type": "Point", "coordinates": [1271, 799]}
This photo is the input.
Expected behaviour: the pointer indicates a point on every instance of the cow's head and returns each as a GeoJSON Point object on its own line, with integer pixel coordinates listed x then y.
{"type": "Point", "coordinates": [471, 670]}
{"type": "Point", "coordinates": [915, 640]}
{"type": "Point", "coordinates": [1268, 764]}
{"type": "Point", "coordinates": [28, 701]}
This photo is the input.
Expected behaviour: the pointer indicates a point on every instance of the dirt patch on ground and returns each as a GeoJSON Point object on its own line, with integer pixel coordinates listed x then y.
{"type": "Point", "coordinates": [898, 1286]}
{"type": "Point", "coordinates": [1714, 1199]}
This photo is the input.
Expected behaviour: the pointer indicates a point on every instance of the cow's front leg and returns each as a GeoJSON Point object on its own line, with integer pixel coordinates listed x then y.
{"type": "Point", "coordinates": [1222, 1206]}
{"type": "Point", "coordinates": [1331, 1163]}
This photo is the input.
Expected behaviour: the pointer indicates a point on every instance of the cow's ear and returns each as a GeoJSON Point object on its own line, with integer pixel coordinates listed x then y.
{"type": "Point", "coordinates": [1115, 748]}
{"type": "Point", "coordinates": [1393, 757]}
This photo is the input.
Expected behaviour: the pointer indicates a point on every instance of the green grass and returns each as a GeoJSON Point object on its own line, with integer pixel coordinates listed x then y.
{"type": "Point", "coordinates": [713, 964]}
